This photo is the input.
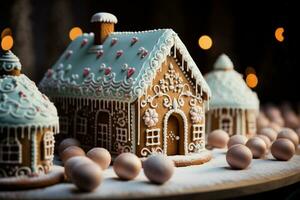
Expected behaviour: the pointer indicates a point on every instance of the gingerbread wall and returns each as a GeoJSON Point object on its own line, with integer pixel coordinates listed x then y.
{"type": "Point", "coordinates": [30, 154]}
{"type": "Point", "coordinates": [171, 97]}
{"type": "Point", "coordinates": [107, 123]}
{"type": "Point", "coordinates": [242, 120]}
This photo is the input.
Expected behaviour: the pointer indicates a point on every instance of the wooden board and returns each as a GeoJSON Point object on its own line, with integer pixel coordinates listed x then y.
{"type": "Point", "coordinates": [210, 180]}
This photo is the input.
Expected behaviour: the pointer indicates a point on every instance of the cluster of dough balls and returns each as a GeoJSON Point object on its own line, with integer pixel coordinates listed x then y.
{"type": "Point", "coordinates": [157, 168]}
{"type": "Point", "coordinates": [84, 170]}
{"type": "Point", "coordinates": [241, 150]}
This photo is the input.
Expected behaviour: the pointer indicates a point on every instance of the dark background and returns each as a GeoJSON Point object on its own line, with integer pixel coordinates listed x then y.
{"type": "Point", "coordinates": [242, 29]}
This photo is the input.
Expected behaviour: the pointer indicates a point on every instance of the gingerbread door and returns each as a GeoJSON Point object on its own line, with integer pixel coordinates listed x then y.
{"type": "Point", "coordinates": [102, 134]}
{"type": "Point", "coordinates": [175, 135]}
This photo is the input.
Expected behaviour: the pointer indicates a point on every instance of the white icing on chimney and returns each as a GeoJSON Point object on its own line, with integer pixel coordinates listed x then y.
{"type": "Point", "coordinates": [223, 63]}
{"type": "Point", "coordinates": [104, 17]}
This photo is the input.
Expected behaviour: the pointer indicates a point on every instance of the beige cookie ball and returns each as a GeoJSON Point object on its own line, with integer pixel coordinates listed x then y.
{"type": "Point", "coordinates": [298, 133]}
{"type": "Point", "coordinates": [127, 166]}
{"type": "Point", "coordinates": [239, 156]}
{"type": "Point", "coordinates": [283, 149]}
{"type": "Point", "coordinates": [73, 162]}
{"type": "Point", "coordinates": [158, 169]}
{"type": "Point", "coordinates": [289, 134]}
{"type": "Point", "coordinates": [100, 156]}
{"type": "Point", "coordinates": [67, 143]}
{"type": "Point", "coordinates": [291, 120]}
{"type": "Point", "coordinates": [237, 139]}
{"type": "Point", "coordinates": [262, 121]}
{"type": "Point", "coordinates": [218, 138]}
{"type": "Point", "coordinates": [71, 152]}
{"type": "Point", "coordinates": [266, 140]}
{"type": "Point", "coordinates": [257, 146]}
{"type": "Point", "coordinates": [269, 132]}
{"type": "Point", "coordinates": [275, 127]}
{"type": "Point", "coordinates": [87, 176]}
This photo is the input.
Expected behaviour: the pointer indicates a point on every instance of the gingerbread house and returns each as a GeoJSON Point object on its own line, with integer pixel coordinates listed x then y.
{"type": "Point", "coordinates": [137, 92]}
{"type": "Point", "coordinates": [234, 106]}
{"type": "Point", "coordinates": [28, 122]}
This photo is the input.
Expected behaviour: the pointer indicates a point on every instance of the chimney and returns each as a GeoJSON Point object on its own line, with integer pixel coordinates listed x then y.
{"type": "Point", "coordinates": [103, 24]}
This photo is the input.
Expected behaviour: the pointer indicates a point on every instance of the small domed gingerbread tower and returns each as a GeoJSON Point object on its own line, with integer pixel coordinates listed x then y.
{"type": "Point", "coordinates": [28, 122]}
{"type": "Point", "coordinates": [233, 106]}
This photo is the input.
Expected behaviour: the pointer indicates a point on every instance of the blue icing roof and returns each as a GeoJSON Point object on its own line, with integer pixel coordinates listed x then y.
{"type": "Point", "coordinates": [21, 104]}
{"type": "Point", "coordinates": [121, 68]}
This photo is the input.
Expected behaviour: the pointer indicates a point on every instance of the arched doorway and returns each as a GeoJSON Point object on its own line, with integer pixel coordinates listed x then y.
{"type": "Point", "coordinates": [103, 129]}
{"type": "Point", "coordinates": [175, 133]}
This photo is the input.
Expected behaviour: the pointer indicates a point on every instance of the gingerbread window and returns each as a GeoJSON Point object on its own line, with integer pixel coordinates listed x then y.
{"type": "Point", "coordinates": [64, 125]}
{"type": "Point", "coordinates": [152, 137]}
{"type": "Point", "coordinates": [198, 131]}
{"type": "Point", "coordinates": [48, 145]}
{"type": "Point", "coordinates": [226, 124]}
{"type": "Point", "coordinates": [10, 151]}
{"type": "Point", "coordinates": [102, 134]}
{"type": "Point", "coordinates": [81, 125]}
{"type": "Point", "coordinates": [251, 122]}
{"type": "Point", "coordinates": [121, 134]}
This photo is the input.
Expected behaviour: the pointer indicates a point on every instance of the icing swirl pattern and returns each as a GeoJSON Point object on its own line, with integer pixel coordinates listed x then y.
{"type": "Point", "coordinates": [21, 103]}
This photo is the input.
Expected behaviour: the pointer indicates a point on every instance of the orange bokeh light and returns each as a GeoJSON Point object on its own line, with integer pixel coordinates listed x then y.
{"type": "Point", "coordinates": [279, 34]}
{"type": "Point", "coordinates": [7, 42]}
{"type": "Point", "coordinates": [5, 32]}
{"type": "Point", "coordinates": [74, 33]}
{"type": "Point", "coordinates": [205, 42]}
{"type": "Point", "coordinates": [252, 80]}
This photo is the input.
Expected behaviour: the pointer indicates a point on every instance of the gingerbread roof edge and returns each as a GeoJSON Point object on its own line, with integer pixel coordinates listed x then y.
{"type": "Point", "coordinates": [121, 68]}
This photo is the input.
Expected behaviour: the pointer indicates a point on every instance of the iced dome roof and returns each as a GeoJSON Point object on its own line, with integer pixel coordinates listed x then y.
{"type": "Point", "coordinates": [228, 87]}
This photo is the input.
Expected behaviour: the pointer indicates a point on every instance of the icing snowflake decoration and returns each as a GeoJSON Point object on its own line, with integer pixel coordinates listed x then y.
{"type": "Point", "coordinates": [150, 117]}
{"type": "Point", "coordinates": [196, 114]}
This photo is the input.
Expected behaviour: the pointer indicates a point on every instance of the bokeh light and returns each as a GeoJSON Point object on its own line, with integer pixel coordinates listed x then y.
{"type": "Point", "coordinates": [75, 32]}
{"type": "Point", "coordinates": [252, 80]}
{"type": "Point", "coordinates": [205, 42]}
{"type": "Point", "coordinates": [250, 70]}
{"type": "Point", "coordinates": [7, 42]}
{"type": "Point", "coordinates": [5, 32]}
{"type": "Point", "coordinates": [279, 34]}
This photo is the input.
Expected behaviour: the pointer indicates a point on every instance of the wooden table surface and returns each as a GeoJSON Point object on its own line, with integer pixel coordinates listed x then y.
{"type": "Point", "coordinates": [213, 180]}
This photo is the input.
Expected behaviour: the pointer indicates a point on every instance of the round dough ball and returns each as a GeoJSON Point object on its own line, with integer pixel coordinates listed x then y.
{"type": "Point", "coordinates": [87, 176]}
{"type": "Point", "coordinates": [279, 121]}
{"type": "Point", "coordinates": [100, 156]}
{"type": "Point", "coordinates": [67, 143]}
{"type": "Point", "coordinates": [73, 162]}
{"type": "Point", "coordinates": [237, 139]}
{"type": "Point", "coordinates": [127, 166]}
{"type": "Point", "coordinates": [218, 138]}
{"type": "Point", "coordinates": [71, 152]}
{"type": "Point", "coordinates": [257, 146]}
{"type": "Point", "coordinates": [262, 121]}
{"type": "Point", "coordinates": [298, 133]}
{"type": "Point", "coordinates": [291, 120]}
{"type": "Point", "coordinates": [275, 127]}
{"type": "Point", "coordinates": [266, 140]}
{"type": "Point", "coordinates": [158, 169]}
{"type": "Point", "coordinates": [289, 134]}
{"type": "Point", "coordinates": [283, 149]}
{"type": "Point", "coordinates": [269, 132]}
{"type": "Point", "coordinates": [239, 156]}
